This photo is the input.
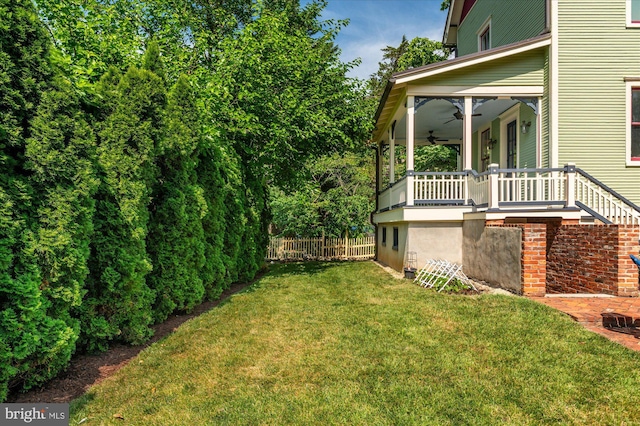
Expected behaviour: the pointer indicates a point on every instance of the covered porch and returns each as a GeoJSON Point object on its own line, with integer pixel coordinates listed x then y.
{"type": "Point", "coordinates": [488, 111]}
{"type": "Point", "coordinates": [500, 193]}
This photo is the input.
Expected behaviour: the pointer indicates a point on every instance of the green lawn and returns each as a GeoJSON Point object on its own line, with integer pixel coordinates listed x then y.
{"type": "Point", "coordinates": [344, 343]}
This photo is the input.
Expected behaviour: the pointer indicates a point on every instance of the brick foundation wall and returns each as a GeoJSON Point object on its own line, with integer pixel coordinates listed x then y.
{"type": "Point", "coordinates": [592, 259]}
{"type": "Point", "coordinates": [562, 256]}
{"type": "Point", "coordinates": [534, 259]}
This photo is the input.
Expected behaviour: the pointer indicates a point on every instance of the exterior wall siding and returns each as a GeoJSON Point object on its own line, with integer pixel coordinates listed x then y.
{"type": "Point", "coordinates": [544, 113]}
{"type": "Point", "coordinates": [511, 21]}
{"type": "Point", "coordinates": [596, 52]}
{"type": "Point", "coordinates": [525, 69]}
{"type": "Point", "coordinates": [527, 156]}
{"type": "Point", "coordinates": [386, 254]}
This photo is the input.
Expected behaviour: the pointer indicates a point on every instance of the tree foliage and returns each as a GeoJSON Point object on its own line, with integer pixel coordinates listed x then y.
{"type": "Point", "coordinates": [336, 200]}
{"type": "Point", "coordinates": [176, 236]}
{"type": "Point", "coordinates": [44, 204]}
{"type": "Point", "coordinates": [408, 54]}
{"type": "Point", "coordinates": [137, 185]}
{"type": "Point", "coordinates": [277, 92]}
{"type": "Point", "coordinates": [118, 303]}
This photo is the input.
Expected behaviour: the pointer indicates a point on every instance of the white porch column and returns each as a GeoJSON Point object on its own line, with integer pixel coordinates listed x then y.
{"type": "Point", "coordinates": [494, 187]}
{"type": "Point", "coordinates": [539, 135]}
{"type": "Point", "coordinates": [570, 189]}
{"type": "Point", "coordinates": [410, 140]}
{"type": "Point", "coordinates": [392, 157]}
{"type": "Point", "coordinates": [467, 135]}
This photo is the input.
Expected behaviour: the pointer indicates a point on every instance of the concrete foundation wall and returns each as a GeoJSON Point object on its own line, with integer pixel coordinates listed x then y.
{"type": "Point", "coordinates": [435, 241]}
{"type": "Point", "coordinates": [493, 254]}
{"type": "Point", "coordinates": [386, 253]}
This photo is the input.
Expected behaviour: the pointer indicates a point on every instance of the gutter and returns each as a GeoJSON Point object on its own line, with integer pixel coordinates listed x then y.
{"type": "Point", "coordinates": [383, 100]}
{"type": "Point", "coordinates": [375, 226]}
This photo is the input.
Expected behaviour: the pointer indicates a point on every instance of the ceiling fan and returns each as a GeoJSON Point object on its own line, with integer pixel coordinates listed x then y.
{"type": "Point", "coordinates": [432, 139]}
{"type": "Point", "coordinates": [458, 116]}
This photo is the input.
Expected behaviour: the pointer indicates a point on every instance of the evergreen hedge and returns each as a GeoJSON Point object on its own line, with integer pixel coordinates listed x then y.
{"type": "Point", "coordinates": [118, 206]}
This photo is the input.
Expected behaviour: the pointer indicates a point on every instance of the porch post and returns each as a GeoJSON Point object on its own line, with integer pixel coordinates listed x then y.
{"type": "Point", "coordinates": [539, 135]}
{"type": "Point", "coordinates": [570, 189]}
{"type": "Point", "coordinates": [410, 137]}
{"type": "Point", "coordinates": [392, 157]}
{"type": "Point", "coordinates": [494, 187]}
{"type": "Point", "coordinates": [467, 135]}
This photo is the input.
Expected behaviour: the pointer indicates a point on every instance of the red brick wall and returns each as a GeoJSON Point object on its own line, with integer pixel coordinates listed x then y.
{"type": "Point", "coordinates": [534, 259]}
{"type": "Point", "coordinates": [592, 259]}
{"type": "Point", "coordinates": [565, 257]}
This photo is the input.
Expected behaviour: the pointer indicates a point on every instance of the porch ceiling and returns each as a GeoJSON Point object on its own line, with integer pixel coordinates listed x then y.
{"type": "Point", "coordinates": [438, 116]}
{"type": "Point", "coordinates": [514, 66]}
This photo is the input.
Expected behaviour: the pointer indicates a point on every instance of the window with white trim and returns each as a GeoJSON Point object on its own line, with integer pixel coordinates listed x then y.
{"type": "Point", "coordinates": [633, 13]}
{"type": "Point", "coordinates": [484, 36]}
{"type": "Point", "coordinates": [634, 136]}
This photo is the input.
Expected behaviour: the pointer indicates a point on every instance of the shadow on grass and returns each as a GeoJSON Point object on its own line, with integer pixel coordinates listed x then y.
{"type": "Point", "coordinates": [282, 269]}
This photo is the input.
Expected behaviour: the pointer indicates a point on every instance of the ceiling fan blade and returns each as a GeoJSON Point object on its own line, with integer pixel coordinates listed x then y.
{"type": "Point", "coordinates": [449, 121]}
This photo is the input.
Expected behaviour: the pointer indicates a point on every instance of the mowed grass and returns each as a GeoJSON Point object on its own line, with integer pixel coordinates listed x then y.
{"type": "Point", "coordinates": [344, 343]}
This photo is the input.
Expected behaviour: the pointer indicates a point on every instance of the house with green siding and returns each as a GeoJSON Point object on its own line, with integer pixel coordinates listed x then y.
{"type": "Point", "coordinates": [541, 104]}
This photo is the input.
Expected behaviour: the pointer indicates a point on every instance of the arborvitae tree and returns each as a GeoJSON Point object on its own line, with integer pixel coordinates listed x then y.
{"type": "Point", "coordinates": [61, 155]}
{"type": "Point", "coordinates": [118, 303]}
{"type": "Point", "coordinates": [33, 345]}
{"type": "Point", "coordinates": [258, 217]}
{"type": "Point", "coordinates": [212, 186]}
{"type": "Point", "coordinates": [235, 219]}
{"type": "Point", "coordinates": [176, 238]}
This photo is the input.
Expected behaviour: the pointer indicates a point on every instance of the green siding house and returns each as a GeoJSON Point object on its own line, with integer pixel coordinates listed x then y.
{"type": "Point", "coordinates": [541, 104]}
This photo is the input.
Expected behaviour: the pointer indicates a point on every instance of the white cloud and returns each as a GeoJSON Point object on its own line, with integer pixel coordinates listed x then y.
{"type": "Point", "coordinates": [375, 24]}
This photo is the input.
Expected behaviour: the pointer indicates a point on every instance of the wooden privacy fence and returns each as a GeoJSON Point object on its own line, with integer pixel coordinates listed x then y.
{"type": "Point", "coordinates": [321, 248]}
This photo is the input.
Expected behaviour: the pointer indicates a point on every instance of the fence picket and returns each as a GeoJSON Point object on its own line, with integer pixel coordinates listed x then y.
{"type": "Point", "coordinates": [321, 248]}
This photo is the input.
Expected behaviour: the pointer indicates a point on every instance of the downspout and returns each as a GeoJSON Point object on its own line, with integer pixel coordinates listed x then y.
{"type": "Point", "coordinates": [375, 226]}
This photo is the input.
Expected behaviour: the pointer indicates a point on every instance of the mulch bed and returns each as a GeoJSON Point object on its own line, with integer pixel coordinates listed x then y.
{"type": "Point", "coordinates": [85, 371]}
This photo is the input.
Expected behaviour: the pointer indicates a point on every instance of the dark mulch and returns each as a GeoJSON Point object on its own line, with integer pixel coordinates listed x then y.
{"type": "Point", "coordinates": [85, 371]}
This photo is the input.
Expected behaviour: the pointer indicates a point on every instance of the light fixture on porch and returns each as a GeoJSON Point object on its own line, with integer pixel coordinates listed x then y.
{"type": "Point", "coordinates": [492, 143]}
{"type": "Point", "coordinates": [525, 126]}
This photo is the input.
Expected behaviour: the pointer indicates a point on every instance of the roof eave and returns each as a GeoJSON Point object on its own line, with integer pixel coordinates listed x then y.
{"type": "Point", "coordinates": [383, 99]}
{"type": "Point", "coordinates": [487, 55]}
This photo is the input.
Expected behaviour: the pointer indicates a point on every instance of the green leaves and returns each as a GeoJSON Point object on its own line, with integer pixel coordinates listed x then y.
{"type": "Point", "coordinates": [337, 198]}
{"type": "Point", "coordinates": [409, 54]}
{"type": "Point", "coordinates": [285, 97]}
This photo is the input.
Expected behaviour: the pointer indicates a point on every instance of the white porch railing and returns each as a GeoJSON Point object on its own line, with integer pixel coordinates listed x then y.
{"type": "Point", "coordinates": [433, 187]}
{"type": "Point", "coordinates": [394, 196]}
{"type": "Point", "coordinates": [496, 188]}
{"type": "Point", "coordinates": [531, 186]}
{"type": "Point", "coordinates": [603, 201]}
{"type": "Point", "coordinates": [478, 188]}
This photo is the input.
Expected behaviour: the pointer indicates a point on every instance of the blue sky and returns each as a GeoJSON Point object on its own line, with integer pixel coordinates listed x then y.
{"type": "Point", "coordinates": [375, 24]}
